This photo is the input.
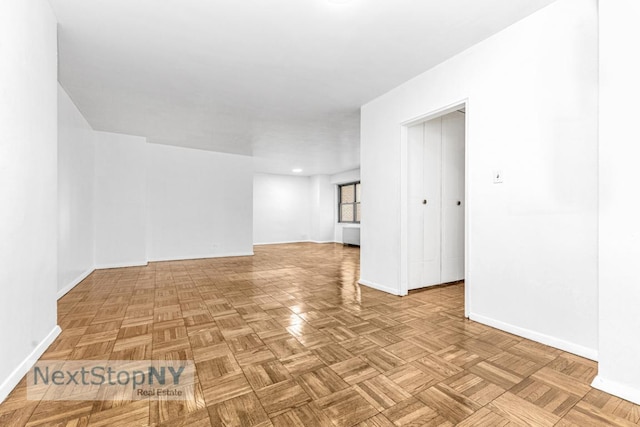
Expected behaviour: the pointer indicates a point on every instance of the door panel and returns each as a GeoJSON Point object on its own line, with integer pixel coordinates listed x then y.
{"type": "Point", "coordinates": [415, 191]}
{"type": "Point", "coordinates": [432, 211]}
{"type": "Point", "coordinates": [453, 197]}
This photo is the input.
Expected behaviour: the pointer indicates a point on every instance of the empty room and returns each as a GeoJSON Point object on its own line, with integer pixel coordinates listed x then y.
{"type": "Point", "coordinates": [319, 213]}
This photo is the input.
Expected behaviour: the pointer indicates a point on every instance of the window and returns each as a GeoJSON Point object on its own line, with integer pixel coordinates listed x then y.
{"type": "Point", "coordinates": [349, 202]}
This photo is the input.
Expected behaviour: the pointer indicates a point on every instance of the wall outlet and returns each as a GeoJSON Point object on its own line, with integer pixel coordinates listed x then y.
{"type": "Point", "coordinates": [498, 177]}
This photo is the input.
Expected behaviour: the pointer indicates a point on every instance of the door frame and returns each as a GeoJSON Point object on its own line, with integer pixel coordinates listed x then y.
{"type": "Point", "coordinates": [404, 198]}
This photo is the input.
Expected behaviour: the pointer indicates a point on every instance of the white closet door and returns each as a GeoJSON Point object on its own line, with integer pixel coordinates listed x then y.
{"type": "Point", "coordinates": [453, 149]}
{"type": "Point", "coordinates": [436, 176]}
{"type": "Point", "coordinates": [432, 212]}
{"type": "Point", "coordinates": [415, 196]}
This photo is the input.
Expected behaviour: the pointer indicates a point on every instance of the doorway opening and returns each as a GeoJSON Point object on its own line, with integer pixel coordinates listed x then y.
{"type": "Point", "coordinates": [434, 208]}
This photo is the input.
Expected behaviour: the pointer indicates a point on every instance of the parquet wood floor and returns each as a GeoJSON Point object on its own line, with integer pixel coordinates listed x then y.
{"type": "Point", "coordinates": [288, 338]}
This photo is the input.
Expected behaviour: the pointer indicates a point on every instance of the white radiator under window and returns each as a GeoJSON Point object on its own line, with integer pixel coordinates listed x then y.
{"type": "Point", "coordinates": [351, 236]}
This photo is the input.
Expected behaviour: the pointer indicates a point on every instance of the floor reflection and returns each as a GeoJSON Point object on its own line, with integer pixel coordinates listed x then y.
{"type": "Point", "coordinates": [350, 290]}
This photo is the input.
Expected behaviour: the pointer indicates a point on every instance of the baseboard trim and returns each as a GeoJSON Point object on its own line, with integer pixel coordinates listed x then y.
{"type": "Point", "coordinates": [62, 292]}
{"type": "Point", "coordinates": [379, 287]}
{"type": "Point", "coordinates": [282, 243]}
{"type": "Point", "coordinates": [617, 389]}
{"type": "Point", "coordinates": [14, 378]}
{"type": "Point", "coordinates": [558, 343]}
{"type": "Point", "coordinates": [205, 256]}
{"type": "Point", "coordinates": [121, 265]}
{"type": "Point", "coordinates": [295, 241]}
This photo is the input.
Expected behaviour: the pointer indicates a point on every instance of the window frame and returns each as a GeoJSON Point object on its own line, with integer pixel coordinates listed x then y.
{"type": "Point", "coordinates": [354, 203]}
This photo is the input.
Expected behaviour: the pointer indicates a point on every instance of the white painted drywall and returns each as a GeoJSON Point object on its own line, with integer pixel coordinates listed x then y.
{"type": "Point", "coordinates": [619, 285]}
{"type": "Point", "coordinates": [199, 203]}
{"type": "Point", "coordinates": [281, 208]}
{"type": "Point", "coordinates": [532, 112]}
{"type": "Point", "coordinates": [156, 202]}
{"type": "Point", "coordinates": [322, 207]}
{"type": "Point", "coordinates": [290, 208]}
{"type": "Point", "coordinates": [120, 200]}
{"type": "Point", "coordinates": [76, 152]}
{"type": "Point", "coordinates": [343, 178]}
{"type": "Point", "coordinates": [28, 193]}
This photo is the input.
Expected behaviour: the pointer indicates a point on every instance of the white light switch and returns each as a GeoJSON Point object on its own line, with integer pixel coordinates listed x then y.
{"type": "Point", "coordinates": [497, 177]}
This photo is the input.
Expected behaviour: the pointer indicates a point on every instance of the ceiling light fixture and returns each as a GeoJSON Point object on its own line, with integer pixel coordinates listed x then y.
{"type": "Point", "coordinates": [296, 170]}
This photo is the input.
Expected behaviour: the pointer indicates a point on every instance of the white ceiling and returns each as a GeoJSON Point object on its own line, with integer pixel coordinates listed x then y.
{"type": "Point", "coordinates": [281, 80]}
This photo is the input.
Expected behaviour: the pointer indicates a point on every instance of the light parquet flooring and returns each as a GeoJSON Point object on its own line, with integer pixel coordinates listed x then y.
{"type": "Point", "coordinates": [288, 338]}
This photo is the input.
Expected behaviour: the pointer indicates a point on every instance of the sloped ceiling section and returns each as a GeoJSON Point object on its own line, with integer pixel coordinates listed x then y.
{"type": "Point", "coordinates": [280, 80]}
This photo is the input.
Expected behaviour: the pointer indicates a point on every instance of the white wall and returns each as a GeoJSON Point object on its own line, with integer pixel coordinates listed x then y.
{"type": "Point", "coordinates": [76, 151]}
{"type": "Point", "coordinates": [156, 202]}
{"type": "Point", "coordinates": [323, 209]}
{"type": "Point", "coordinates": [281, 208]}
{"type": "Point", "coordinates": [618, 371]}
{"type": "Point", "coordinates": [336, 179]}
{"type": "Point", "coordinates": [28, 176]}
{"type": "Point", "coordinates": [290, 208]}
{"type": "Point", "coordinates": [532, 112]}
{"type": "Point", "coordinates": [199, 203]}
{"type": "Point", "coordinates": [345, 177]}
{"type": "Point", "coordinates": [120, 200]}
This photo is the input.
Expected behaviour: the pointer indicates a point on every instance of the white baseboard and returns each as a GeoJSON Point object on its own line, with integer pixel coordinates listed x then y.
{"type": "Point", "coordinates": [392, 291]}
{"type": "Point", "coordinates": [281, 243]}
{"type": "Point", "coordinates": [24, 366]}
{"type": "Point", "coordinates": [62, 292]}
{"type": "Point", "coordinates": [613, 387]}
{"type": "Point", "coordinates": [203, 256]}
{"type": "Point", "coordinates": [121, 265]}
{"type": "Point", "coordinates": [558, 343]}
{"type": "Point", "coordinates": [296, 241]}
